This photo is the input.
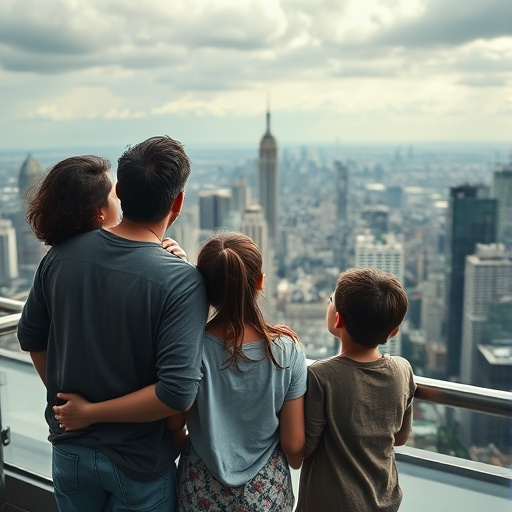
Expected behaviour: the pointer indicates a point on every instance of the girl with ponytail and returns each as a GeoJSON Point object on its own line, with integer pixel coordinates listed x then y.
{"type": "Point", "coordinates": [248, 417]}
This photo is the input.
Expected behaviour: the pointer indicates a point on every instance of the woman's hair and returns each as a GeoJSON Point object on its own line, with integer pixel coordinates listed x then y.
{"type": "Point", "coordinates": [68, 198]}
{"type": "Point", "coordinates": [231, 265]}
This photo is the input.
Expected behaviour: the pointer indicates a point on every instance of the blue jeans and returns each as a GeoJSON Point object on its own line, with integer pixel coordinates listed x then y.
{"type": "Point", "coordinates": [86, 480]}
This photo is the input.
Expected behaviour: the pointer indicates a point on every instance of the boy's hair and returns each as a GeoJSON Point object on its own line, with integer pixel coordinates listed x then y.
{"type": "Point", "coordinates": [150, 175]}
{"type": "Point", "coordinates": [68, 199]}
{"type": "Point", "coordinates": [372, 303]}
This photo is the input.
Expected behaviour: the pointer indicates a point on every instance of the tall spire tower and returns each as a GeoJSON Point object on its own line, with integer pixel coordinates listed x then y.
{"type": "Point", "coordinates": [269, 182]}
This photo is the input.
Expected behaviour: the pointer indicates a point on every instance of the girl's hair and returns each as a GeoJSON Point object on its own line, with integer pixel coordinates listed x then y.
{"type": "Point", "coordinates": [231, 265]}
{"type": "Point", "coordinates": [68, 198]}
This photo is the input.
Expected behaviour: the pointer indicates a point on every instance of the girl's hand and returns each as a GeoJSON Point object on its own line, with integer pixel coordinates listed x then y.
{"type": "Point", "coordinates": [75, 414]}
{"type": "Point", "coordinates": [170, 245]}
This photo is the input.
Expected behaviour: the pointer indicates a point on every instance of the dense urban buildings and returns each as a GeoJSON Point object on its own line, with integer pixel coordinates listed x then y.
{"type": "Point", "coordinates": [420, 219]}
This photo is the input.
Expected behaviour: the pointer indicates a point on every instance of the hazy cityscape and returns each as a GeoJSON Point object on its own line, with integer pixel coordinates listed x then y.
{"type": "Point", "coordinates": [397, 208]}
{"type": "Point", "coordinates": [335, 133]}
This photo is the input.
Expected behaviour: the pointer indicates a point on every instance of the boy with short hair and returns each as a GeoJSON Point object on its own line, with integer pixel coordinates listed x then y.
{"type": "Point", "coordinates": [359, 403]}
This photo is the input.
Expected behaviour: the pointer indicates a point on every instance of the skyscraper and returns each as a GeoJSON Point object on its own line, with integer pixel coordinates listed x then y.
{"type": "Point", "coordinates": [269, 182]}
{"type": "Point", "coordinates": [342, 191]}
{"type": "Point", "coordinates": [471, 219]}
{"type": "Point", "coordinates": [185, 230]}
{"type": "Point", "coordinates": [240, 199]}
{"type": "Point", "coordinates": [503, 194]}
{"type": "Point", "coordinates": [376, 218]}
{"type": "Point", "coordinates": [341, 226]}
{"type": "Point", "coordinates": [214, 208]}
{"type": "Point", "coordinates": [487, 279]}
{"type": "Point", "coordinates": [8, 253]}
{"type": "Point", "coordinates": [387, 254]}
{"type": "Point", "coordinates": [254, 226]}
{"type": "Point", "coordinates": [30, 250]}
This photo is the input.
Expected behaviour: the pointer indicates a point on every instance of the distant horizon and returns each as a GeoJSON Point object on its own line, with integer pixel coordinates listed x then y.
{"type": "Point", "coordinates": [503, 145]}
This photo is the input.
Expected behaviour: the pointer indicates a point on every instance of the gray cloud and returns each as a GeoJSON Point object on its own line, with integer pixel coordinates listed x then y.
{"type": "Point", "coordinates": [451, 23]}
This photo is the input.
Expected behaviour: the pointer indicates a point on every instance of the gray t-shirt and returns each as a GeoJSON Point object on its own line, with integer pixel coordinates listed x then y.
{"type": "Point", "coordinates": [114, 316]}
{"type": "Point", "coordinates": [234, 423]}
{"type": "Point", "coordinates": [352, 412]}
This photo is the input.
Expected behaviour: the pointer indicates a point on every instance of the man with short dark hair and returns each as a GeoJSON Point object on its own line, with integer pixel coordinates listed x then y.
{"type": "Point", "coordinates": [112, 313]}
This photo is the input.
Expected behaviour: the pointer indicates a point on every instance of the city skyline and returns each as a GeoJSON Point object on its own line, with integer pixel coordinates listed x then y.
{"type": "Point", "coordinates": [398, 71]}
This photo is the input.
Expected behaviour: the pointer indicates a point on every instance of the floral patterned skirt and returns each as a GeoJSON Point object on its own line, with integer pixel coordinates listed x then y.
{"type": "Point", "coordinates": [269, 491]}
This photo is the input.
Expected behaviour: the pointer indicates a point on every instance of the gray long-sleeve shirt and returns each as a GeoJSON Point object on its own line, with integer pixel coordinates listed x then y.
{"type": "Point", "coordinates": [114, 316]}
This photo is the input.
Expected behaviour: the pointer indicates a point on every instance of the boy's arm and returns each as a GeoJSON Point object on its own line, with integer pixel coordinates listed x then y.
{"type": "Point", "coordinates": [314, 413]}
{"type": "Point", "coordinates": [291, 431]}
{"type": "Point", "coordinates": [403, 434]}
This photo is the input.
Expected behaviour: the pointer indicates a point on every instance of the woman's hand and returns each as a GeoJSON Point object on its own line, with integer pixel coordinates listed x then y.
{"type": "Point", "coordinates": [75, 414]}
{"type": "Point", "coordinates": [170, 245]}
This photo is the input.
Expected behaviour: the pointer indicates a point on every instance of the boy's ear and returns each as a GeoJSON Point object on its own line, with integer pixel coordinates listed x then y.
{"type": "Point", "coordinates": [394, 332]}
{"type": "Point", "coordinates": [339, 321]}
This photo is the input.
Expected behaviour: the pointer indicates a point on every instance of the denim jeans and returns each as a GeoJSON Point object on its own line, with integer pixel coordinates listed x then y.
{"type": "Point", "coordinates": [86, 480]}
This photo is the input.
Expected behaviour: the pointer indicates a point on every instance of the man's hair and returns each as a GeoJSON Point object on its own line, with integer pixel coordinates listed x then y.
{"type": "Point", "coordinates": [67, 201]}
{"type": "Point", "coordinates": [150, 176]}
{"type": "Point", "coordinates": [372, 304]}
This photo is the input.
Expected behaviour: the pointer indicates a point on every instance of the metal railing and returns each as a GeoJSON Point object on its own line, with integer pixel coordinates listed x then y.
{"type": "Point", "coordinates": [442, 392]}
{"type": "Point", "coordinates": [431, 390]}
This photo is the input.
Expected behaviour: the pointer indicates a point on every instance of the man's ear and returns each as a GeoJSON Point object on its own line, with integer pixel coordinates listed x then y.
{"type": "Point", "coordinates": [394, 332]}
{"type": "Point", "coordinates": [339, 321]}
{"type": "Point", "coordinates": [177, 204]}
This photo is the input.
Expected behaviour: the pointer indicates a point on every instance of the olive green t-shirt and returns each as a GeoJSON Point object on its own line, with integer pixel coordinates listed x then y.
{"type": "Point", "coordinates": [352, 412]}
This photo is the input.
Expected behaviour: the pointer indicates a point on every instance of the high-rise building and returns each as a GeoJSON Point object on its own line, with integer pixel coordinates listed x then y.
{"type": "Point", "coordinates": [471, 219]}
{"type": "Point", "coordinates": [387, 254]}
{"type": "Point", "coordinates": [240, 195]}
{"type": "Point", "coordinates": [240, 200]}
{"type": "Point", "coordinates": [30, 249]}
{"type": "Point", "coordinates": [185, 231]}
{"type": "Point", "coordinates": [503, 194]}
{"type": "Point", "coordinates": [433, 307]}
{"type": "Point", "coordinates": [376, 218]}
{"type": "Point", "coordinates": [342, 248]}
{"type": "Point", "coordinates": [254, 226]}
{"type": "Point", "coordinates": [487, 279]}
{"type": "Point", "coordinates": [269, 182]}
{"type": "Point", "coordinates": [495, 372]}
{"type": "Point", "coordinates": [214, 209]}
{"type": "Point", "coordinates": [341, 191]}
{"type": "Point", "coordinates": [8, 253]}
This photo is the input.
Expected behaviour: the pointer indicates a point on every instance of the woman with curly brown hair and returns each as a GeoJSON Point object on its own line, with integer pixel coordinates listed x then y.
{"type": "Point", "coordinates": [75, 196]}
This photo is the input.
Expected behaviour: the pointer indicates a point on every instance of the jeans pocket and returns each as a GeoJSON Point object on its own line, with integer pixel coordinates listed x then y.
{"type": "Point", "coordinates": [144, 496]}
{"type": "Point", "coordinates": [65, 471]}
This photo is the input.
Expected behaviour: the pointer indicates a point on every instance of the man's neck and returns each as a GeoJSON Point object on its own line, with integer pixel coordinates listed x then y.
{"type": "Point", "coordinates": [140, 231]}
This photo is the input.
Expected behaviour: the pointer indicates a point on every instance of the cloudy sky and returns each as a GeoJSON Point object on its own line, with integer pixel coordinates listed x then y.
{"type": "Point", "coordinates": [82, 72]}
